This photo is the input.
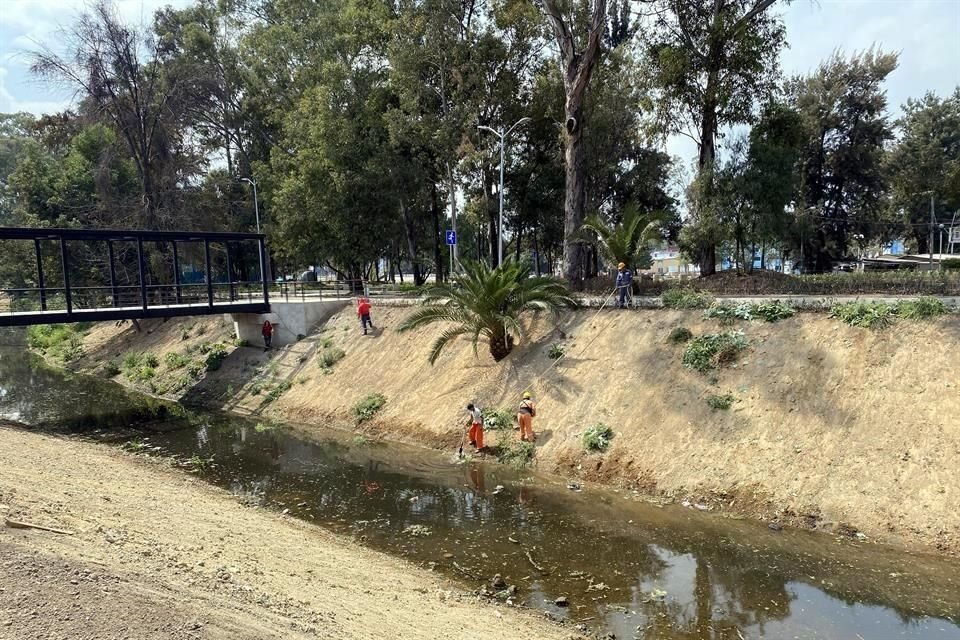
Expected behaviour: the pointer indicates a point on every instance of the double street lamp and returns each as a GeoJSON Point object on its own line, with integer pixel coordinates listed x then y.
{"type": "Point", "coordinates": [503, 143]}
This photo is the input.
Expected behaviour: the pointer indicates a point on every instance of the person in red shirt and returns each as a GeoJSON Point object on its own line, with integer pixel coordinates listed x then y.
{"type": "Point", "coordinates": [363, 311]}
{"type": "Point", "coordinates": [267, 332]}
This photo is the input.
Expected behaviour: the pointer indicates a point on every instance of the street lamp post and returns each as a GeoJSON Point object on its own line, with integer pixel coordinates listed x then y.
{"type": "Point", "coordinates": [256, 202]}
{"type": "Point", "coordinates": [503, 143]}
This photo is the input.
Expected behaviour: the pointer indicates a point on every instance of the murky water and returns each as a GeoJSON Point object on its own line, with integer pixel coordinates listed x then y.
{"type": "Point", "coordinates": [625, 567]}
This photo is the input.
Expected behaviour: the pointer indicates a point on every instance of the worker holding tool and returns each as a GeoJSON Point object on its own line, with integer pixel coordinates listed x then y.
{"type": "Point", "coordinates": [476, 426]}
{"type": "Point", "coordinates": [624, 285]}
{"type": "Point", "coordinates": [525, 417]}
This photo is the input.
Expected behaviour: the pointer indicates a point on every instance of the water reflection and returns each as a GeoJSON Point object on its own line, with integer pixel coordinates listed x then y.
{"type": "Point", "coordinates": [628, 567]}
{"type": "Point", "coordinates": [636, 570]}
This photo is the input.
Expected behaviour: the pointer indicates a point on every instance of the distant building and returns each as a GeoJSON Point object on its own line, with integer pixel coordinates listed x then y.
{"type": "Point", "coordinates": [668, 262]}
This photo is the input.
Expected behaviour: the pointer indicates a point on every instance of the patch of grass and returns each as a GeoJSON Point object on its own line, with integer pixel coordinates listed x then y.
{"type": "Point", "coordinates": [151, 360]}
{"type": "Point", "coordinates": [326, 342]}
{"type": "Point", "coordinates": [773, 311]}
{"type": "Point", "coordinates": [721, 402]}
{"type": "Point", "coordinates": [597, 437]}
{"type": "Point", "coordinates": [196, 369]}
{"type": "Point", "coordinates": [921, 308]}
{"type": "Point", "coordinates": [266, 427]}
{"type": "Point", "coordinates": [368, 407]}
{"type": "Point", "coordinates": [713, 350]}
{"type": "Point", "coordinates": [279, 390]}
{"type": "Point", "coordinates": [237, 342]}
{"type": "Point", "coordinates": [184, 334]}
{"type": "Point", "coordinates": [496, 419]}
{"type": "Point", "coordinates": [682, 298]}
{"type": "Point", "coordinates": [556, 352]}
{"type": "Point", "coordinates": [515, 452]}
{"type": "Point", "coordinates": [680, 335]}
{"type": "Point", "coordinates": [61, 342]}
{"type": "Point", "coordinates": [175, 360]}
{"type": "Point", "coordinates": [867, 315]}
{"type": "Point", "coordinates": [330, 356]}
{"type": "Point", "coordinates": [139, 367]}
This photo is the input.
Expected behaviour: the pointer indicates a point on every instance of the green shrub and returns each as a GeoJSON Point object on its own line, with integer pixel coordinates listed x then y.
{"type": "Point", "coordinates": [368, 407]}
{"type": "Point", "coordinates": [111, 369]}
{"type": "Point", "coordinates": [597, 437]}
{"type": "Point", "coordinates": [773, 311]}
{"type": "Point", "coordinates": [496, 419]}
{"type": "Point", "coordinates": [196, 369]}
{"type": "Point", "coordinates": [279, 390]}
{"type": "Point", "coordinates": [131, 360]}
{"type": "Point", "coordinates": [237, 342]}
{"type": "Point", "coordinates": [951, 264]}
{"type": "Point", "coordinates": [728, 313]}
{"type": "Point", "coordinates": [556, 352]}
{"type": "Point", "coordinates": [184, 334]}
{"type": "Point", "coordinates": [921, 308]}
{"type": "Point", "coordinates": [215, 356]}
{"type": "Point", "coordinates": [175, 360]}
{"type": "Point", "coordinates": [330, 356]}
{"type": "Point", "coordinates": [679, 335]}
{"type": "Point", "coordinates": [62, 341]}
{"type": "Point", "coordinates": [721, 403]}
{"type": "Point", "coordinates": [515, 452]}
{"type": "Point", "coordinates": [151, 360]}
{"type": "Point", "coordinates": [685, 298]}
{"type": "Point", "coordinates": [868, 315]}
{"type": "Point", "coordinates": [713, 350]}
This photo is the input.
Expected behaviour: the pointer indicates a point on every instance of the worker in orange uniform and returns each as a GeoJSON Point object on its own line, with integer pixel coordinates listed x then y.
{"type": "Point", "coordinates": [525, 416]}
{"type": "Point", "coordinates": [363, 311]}
{"type": "Point", "coordinates": [476, 426]}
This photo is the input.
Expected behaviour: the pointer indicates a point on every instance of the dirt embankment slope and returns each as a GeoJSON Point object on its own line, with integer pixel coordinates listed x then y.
{"type": "Point", "coordinates": [156, 554]}
{"type": "Point", "coordinates": [832, 425]}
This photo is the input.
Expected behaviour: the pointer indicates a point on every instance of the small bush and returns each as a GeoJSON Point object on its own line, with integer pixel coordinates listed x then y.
{"type": "Point", "coordinates": [951, 264]}
{"type": "Point", "coordinates": [773, 311]}
{"type": "Point", "coordinates": [683, 298]}
{"type": "Point", "coordinates": [62, 342]}
{"type": "Point", "coordinates": [237, 342]}
{"type": "Point", "coordinates": [496, 419]}
{"type": "Point", "coordinates": [921, 308]}
{"type": "Point", "coordinates": [184, 334]}
{"type": "Point", "coordinates": [868, 315]}
{"type": "Point", "coordinates": [215, 356]}
{"type": "Point", "coordinates": [729, 313]}
{"type": "Point", "coordinates": [111, 369]}
{"type": "Point", "coordinates": [175, 360]}
{"type": "Point", "coordinates": [515, 452]}
{"type": "Point", "coordinates": [597, 437]}
{"type": "Point", "coordinates": [713, 350]}
{"type": "Point", "coordinates": [679, 335]}
{"type": "Point", "coordinates": [330, 356]}
{"type": "Point", "coordinates": [279, 390]}
{"type": "Point", "coordinates": [720, 403]}
{"type": "Point", "coordinates": [196, 369]}
{"type": "Point", "coordinates": [368, 407]}
{"type": "Point", "coordinates": [151, 360]}
{"type": "Point", "coordinates": [556, 352]}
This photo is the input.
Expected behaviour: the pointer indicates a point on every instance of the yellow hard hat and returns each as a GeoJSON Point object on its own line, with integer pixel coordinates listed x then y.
{"type": "Point", "coordinates": [621, 266]}
{"type": "Point", "coordinates": [527, 395]}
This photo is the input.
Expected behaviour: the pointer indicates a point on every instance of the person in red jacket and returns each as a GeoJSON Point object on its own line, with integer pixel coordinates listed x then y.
{"type": "Point", "coordinates": [267, 332]}
{"type": "Point", "coordinates": [363, 311]}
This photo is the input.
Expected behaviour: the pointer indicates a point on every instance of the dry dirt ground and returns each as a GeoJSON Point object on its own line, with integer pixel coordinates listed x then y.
{"type": "Point", "coordinates": [833, 427]}
{"type": "Point", "coordinates": [157, 554]}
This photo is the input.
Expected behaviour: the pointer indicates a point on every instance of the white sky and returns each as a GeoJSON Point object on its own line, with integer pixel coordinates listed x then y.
{"type": "Point", "coordinates": [925, 32]}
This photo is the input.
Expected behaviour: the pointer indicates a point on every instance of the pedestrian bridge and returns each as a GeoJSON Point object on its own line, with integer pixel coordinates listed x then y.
{"type": "Point", "coordinates": [73, 275]}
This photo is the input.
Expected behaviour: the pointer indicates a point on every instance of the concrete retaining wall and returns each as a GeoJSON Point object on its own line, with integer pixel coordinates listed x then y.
{"type": "Point", "coordinates": [290, 320]}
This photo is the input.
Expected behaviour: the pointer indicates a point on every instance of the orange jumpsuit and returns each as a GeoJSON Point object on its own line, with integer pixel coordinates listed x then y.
{"type": "Point", "coordinates": [476, 429]}
{"type": "Point", "coordinates": [525, 417]}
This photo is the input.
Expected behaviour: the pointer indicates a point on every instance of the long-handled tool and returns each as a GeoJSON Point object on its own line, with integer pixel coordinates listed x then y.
{"type": "Point", "coordinates": [463, 439]}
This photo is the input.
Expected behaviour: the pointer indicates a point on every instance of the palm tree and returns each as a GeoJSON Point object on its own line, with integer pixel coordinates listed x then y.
{"type": "Point", "coordinates": [488, 303]}
{"type": "Point", "coordinates": [627, 241]}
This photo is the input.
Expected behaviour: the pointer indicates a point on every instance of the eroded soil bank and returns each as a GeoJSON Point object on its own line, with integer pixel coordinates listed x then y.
{"type": "Point", "coordinates": [832, 427]}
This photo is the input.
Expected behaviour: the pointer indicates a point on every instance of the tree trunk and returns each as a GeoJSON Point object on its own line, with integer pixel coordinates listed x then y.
{"type": "Point", "coordinates": [707, 158]}
{"type": "Point", "coordinates": [500, 346]}
{"type": "Point", "coordinates": [576, 195]}
{"type": "Point", "coordinates": [410, 236]}
{"type": "Point", "coordinates": [518, 242]}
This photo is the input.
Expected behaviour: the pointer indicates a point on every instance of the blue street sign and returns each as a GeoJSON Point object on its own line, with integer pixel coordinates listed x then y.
{"type": "Point", "coordinates": [451, 237]}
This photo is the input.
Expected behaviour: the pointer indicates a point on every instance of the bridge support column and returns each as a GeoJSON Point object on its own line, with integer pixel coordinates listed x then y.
{"type": "Point", "coordinates": [40, 284]}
